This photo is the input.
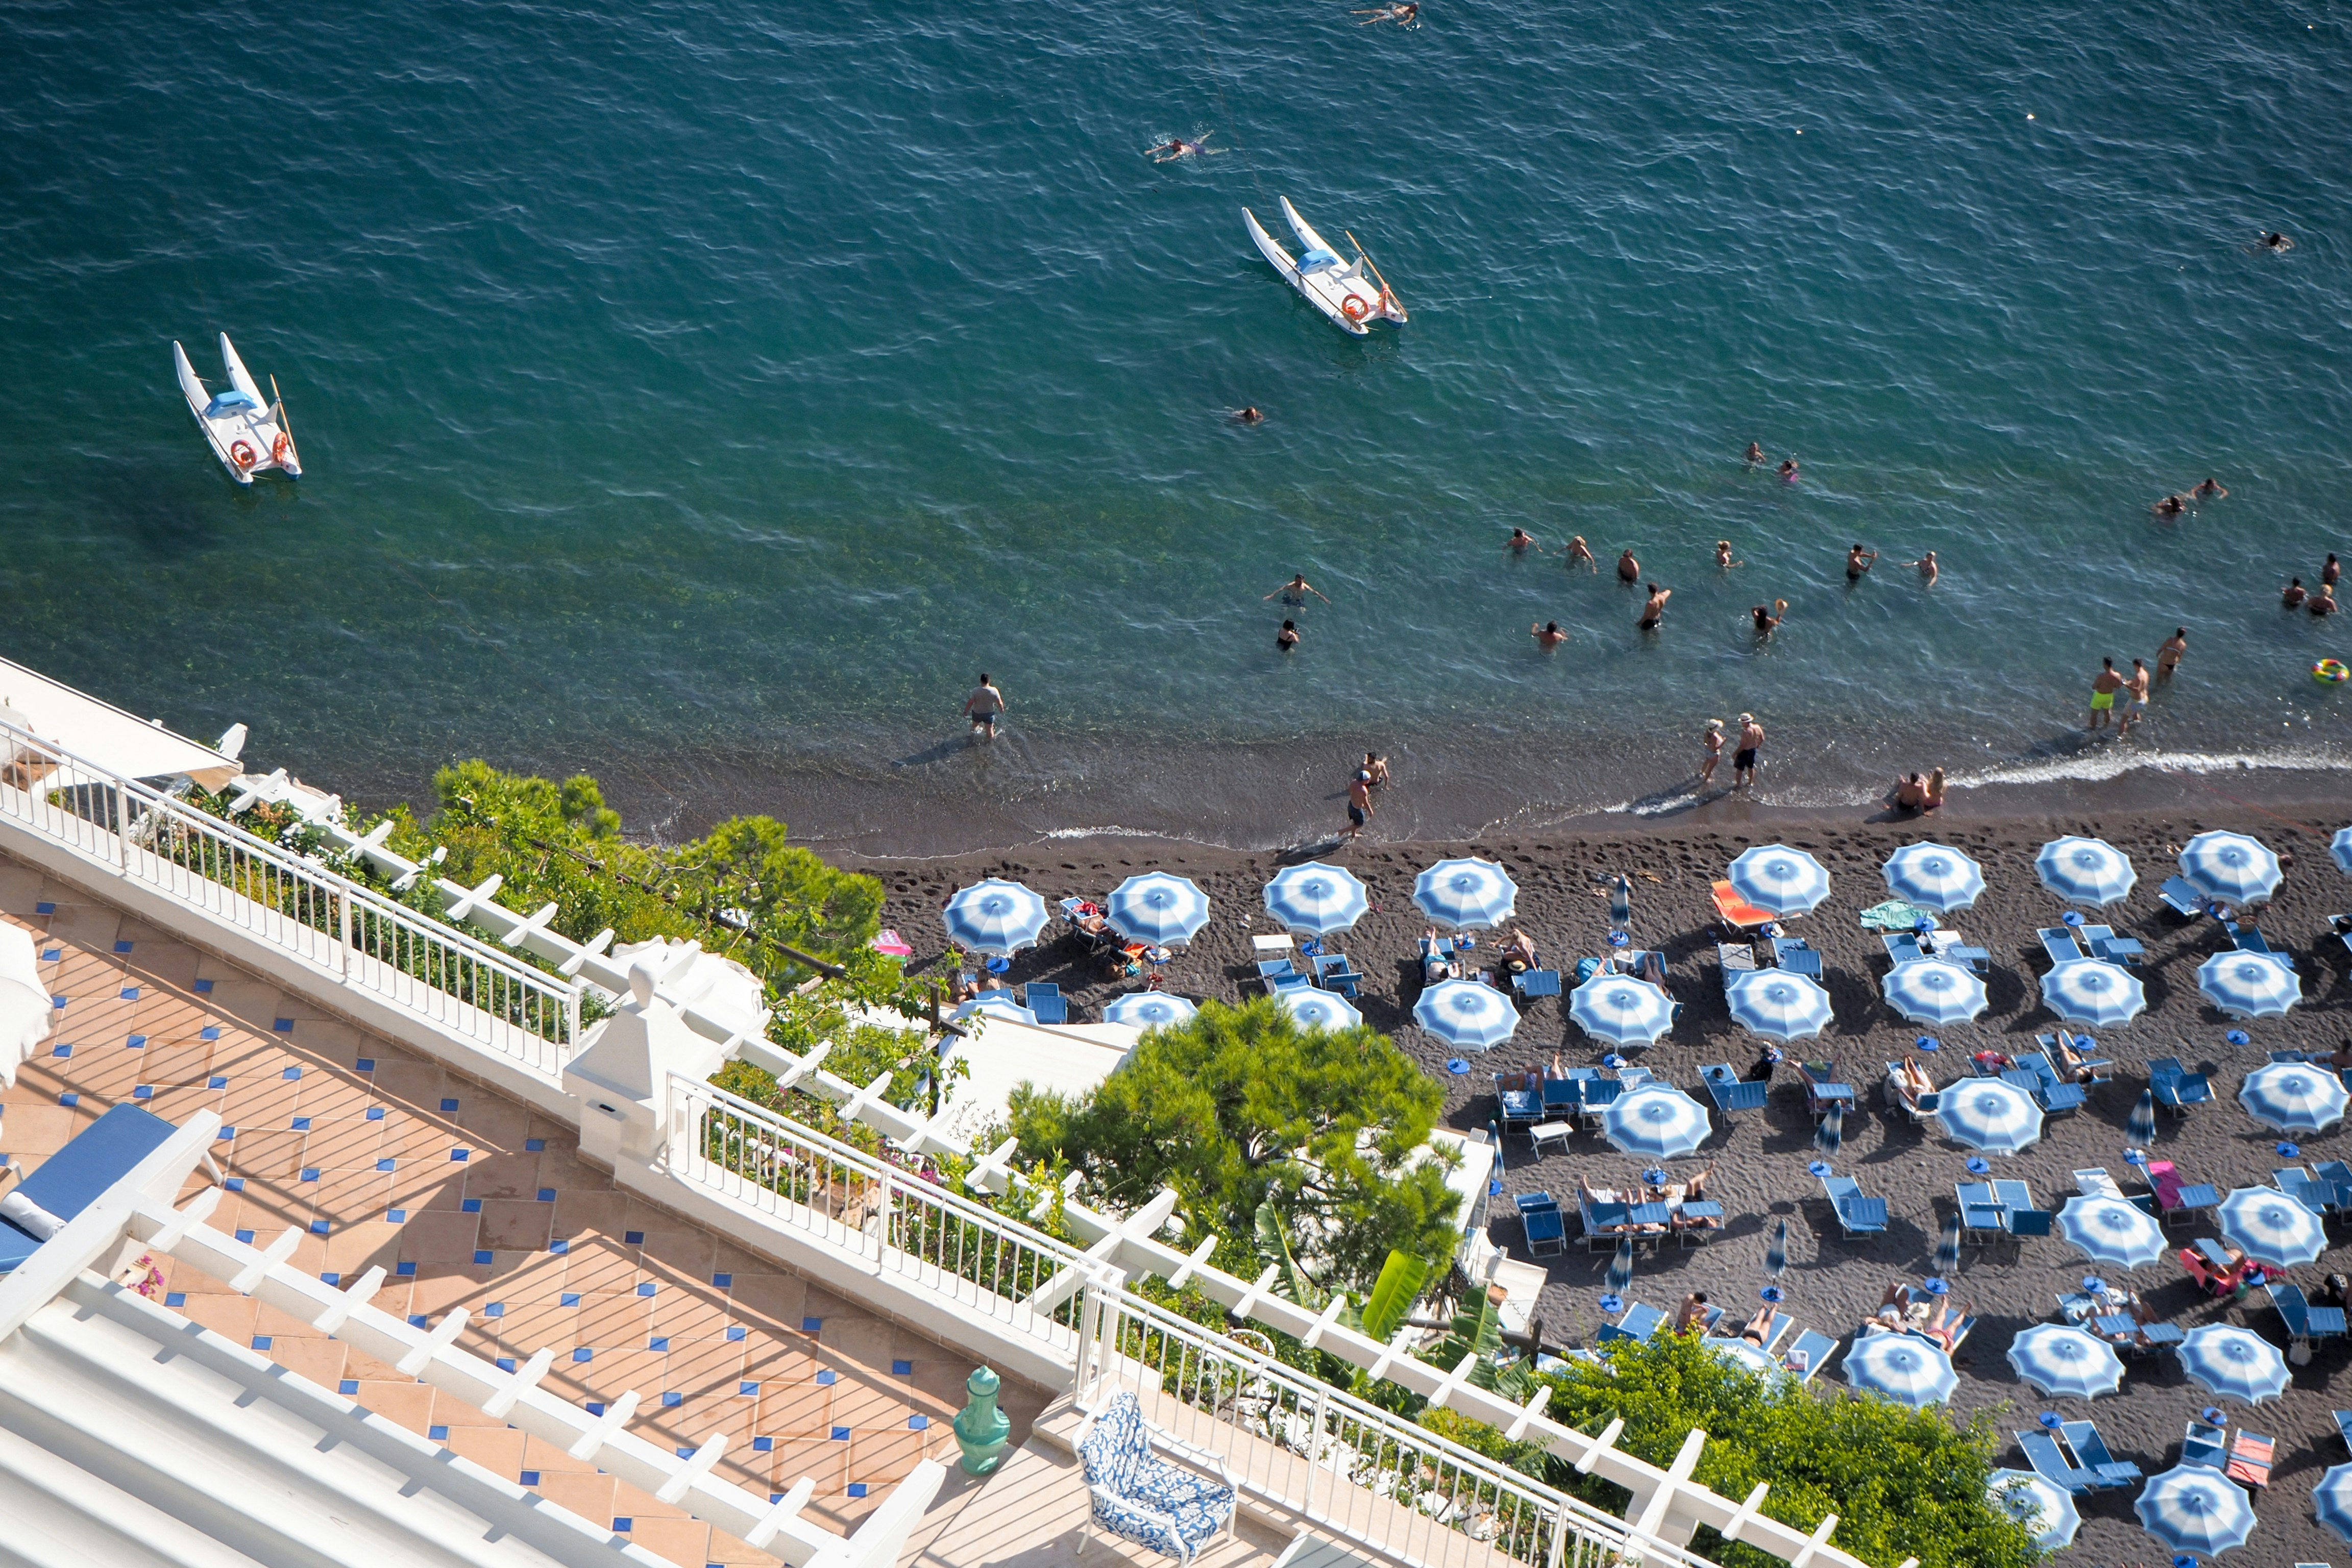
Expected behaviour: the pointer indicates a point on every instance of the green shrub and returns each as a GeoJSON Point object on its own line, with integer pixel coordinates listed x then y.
{"type": "Point", "coordinates": [1904, 1483]}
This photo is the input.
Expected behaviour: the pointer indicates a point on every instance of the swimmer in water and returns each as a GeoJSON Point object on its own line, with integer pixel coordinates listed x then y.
{"type": "Point", "coordinates": [1294, 591]}
{"type": "Point", "coordinates": [1767, 620]}
{"type": "Point", "coordinates": [1654, 612]}
{"type": "Point", "coordinates": [1402, 16]}
{"type": "Point", "coordinates": [1629, 571]}
{"type": "Point", "coordinates": [1755, 454]}
{"type": "Point", "coordinates": [2211, 487]}
{"type": "Point", "coordinates": [1723, 556]}
{"type": "Point", "coordinates": [1857, 562]}
{"type": "Point", "coordinates": [2170, 506]}
{"type": "Point", "coordinates": [1287, 637]}
{"type": "Point", "coordinates": [1580, 551]}
{"type": "Point", "coordinates": [1548, 636]}
{"type": "Point", "coordinates": [1249, 415]}
{"type": "Point", "coordinates": [1521, 542]}
{"type": "Point", "coordinates": [1176, 147]}
{"type": "Point", "coordinates": [1788, 471]}
{"type": "Point", "coordinates": [1928, 571]}
{"type": "Point", "coordinates": [2277, 241]}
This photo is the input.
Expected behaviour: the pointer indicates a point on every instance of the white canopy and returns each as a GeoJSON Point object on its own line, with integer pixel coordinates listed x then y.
{"type": "Point", "coordinates": [1066, 1058]}
{"type": "Point", "coordinates": [102, 733]}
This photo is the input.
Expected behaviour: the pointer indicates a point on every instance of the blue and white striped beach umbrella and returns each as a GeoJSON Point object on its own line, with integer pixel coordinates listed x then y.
{"type": "Point", "coordinates": [1622, 1009]}
{"type": "Point", "coordinates": [2233, 1362]}
{"type": "Point", "coordinates": [1777, 1003]}
{"type": "Point", "coordinates": [2139, 1130]}
{"type": "Point", "coordinates": [2059, 1359]}
{"type": "Point", "coordinates": [994, 916]}
{"type": "Point", "coordinates": [1743, 1353]}
{"type": "Point", "coordinates": [996, 1004]}
{"type": "Point", "coordinates": [1320, 1009]}
{"type": "Point", "coordinates": [2036, 1502]}
{"type": "Point", "coordinates": [2341, 849]}
{"type": "Point", "coordinates": [1655, 1120]}
{"type": "Point", "coordinates": [1149, 1009]}
{"type": "Point", "coordinates": [1467, 893]}
{"type": "Point", "coordinates": [2249, 985]}
{"type": "Point", "coordinates": [1829, 1134]}
{"type": "Point", "coordinates": [2293, 1097]}
{"type": "Point", "coordinates": [1316, 899]}
{"type": "Point", "coordinates": [2085, 870]}
{"type": "Point", "coordinates": [1934, 876]}
{"type": "Point", "coordinates": [1157, 909]}
{"type": "Point", "coordinates": [2195, 1509]}
{"type": "Point", "coordinates": [1780, 879]}
{"type": "Point", "coordinates": [2331, 1499]}
{"type": "Point", "coordinates": [2094, 993]}
{"type": "Point", "coordinates": [1948, 1247]}
{"type": "Point", "coordinates": [1775, 1254]}
{"type": "Point", "coordinates": [1620, 1268]}
{"type": "Point", "coordinates": [1903, 1367]}
{"type": "Point", "coordinates": [2111, 1231]}
{"type": "Point", "coordinates": [1987, 1114]}
{"type": "Point", "coordinates": [2230, 867]}
{"type": "Point", "coordinates": [1467, 1014]}
{"type": "Point", "coordinates": [2272, 1228]}
{"type": "Point", "coordinates": [1933, 991]}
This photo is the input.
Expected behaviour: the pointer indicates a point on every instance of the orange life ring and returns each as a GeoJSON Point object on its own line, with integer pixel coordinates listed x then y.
{"type": "Point", "coordinates": [241, 453]}
{"type": "Point", "coordinates": [278, 447]}
{"type": "Point", "coordinates": [1354, 308]}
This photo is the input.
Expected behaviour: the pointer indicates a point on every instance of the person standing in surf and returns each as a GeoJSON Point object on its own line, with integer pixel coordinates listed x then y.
{"type": "Point", "coordinates": [982, 707]}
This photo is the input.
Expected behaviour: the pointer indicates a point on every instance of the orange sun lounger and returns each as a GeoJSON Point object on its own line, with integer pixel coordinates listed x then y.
{"type": "Point", "coordinates": [1735, 912]}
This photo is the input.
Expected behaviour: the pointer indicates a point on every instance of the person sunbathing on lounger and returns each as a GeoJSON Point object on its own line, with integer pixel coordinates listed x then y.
{"type": "Point", "coordinates": [1437, 961]}
{"type": "Point", "coordinates": [1912, 1080]}
{"type": "Point", "coordinates": [1946, 1325]}
{"type": "Point", "coordinates": [1759, 1327]}
{"type": "Point", "coordinates": [1518, 955]}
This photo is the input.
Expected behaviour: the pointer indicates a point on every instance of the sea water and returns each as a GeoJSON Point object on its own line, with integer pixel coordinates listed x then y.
{"type": "Point", "coordinates": [704, 393]}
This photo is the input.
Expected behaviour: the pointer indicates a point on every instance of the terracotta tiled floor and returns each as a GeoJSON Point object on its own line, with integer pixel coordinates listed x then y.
{"type": "Point", "coordinates": [470, 1199]}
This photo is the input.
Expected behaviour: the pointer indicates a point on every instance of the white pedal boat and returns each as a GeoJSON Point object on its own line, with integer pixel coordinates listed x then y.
{"type": "Point", "coordinates": [1338, 289]}
{"type": "Point", "coordinates": [247, 435]}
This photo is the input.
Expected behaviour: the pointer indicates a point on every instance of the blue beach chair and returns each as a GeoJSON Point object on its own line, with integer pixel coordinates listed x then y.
{"type": "Point", "coordinates": [75, 1177]}
{"type": "Point", "coordinates": [2091, 1454]}
{"type": "Point", "coordinates": [1856, 1214]}
{"type": "Point", "coordinates": [2050, 1462]}
{"type": "Point", "coordinates": [1729, 1092]}
{"type": "Point", "coordinates": [1047, 1001]}
{"type": "Point", "coordinates": [1640, 1323]}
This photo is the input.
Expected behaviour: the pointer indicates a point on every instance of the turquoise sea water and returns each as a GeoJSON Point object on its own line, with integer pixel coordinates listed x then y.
{"type": "Point", "coordinates": [702, 394]}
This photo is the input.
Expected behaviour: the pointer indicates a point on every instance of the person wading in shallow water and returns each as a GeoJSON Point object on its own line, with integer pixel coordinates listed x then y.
{"type": "Point", "coordinates": [982, 707]}
{"type": "Point", "coordinates": [1744, 761]}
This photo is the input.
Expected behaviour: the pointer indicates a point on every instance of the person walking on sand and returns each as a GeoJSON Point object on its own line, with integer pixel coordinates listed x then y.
{"type": "Point", "coordinates": [1928, 571]}
{"type": "Point", "coordinates": [1629, 571]}
{"type": "Point", "coordinates": [1654, 611]}
{"type": "Point", "coordinates": [2168, 653]}
{"type": "Point", "coordinates": [1712, 739]}
{"type": "Point", "coordinates": [1743, 761]}
{"type": "Point", "coordinates": [1294, 591]}
{"type": "Point", "coordinates": [2135, 698]}
{"type": "Point", "coordinates": [1360, 803]}
{"type": "Point", "coordinates": [1580, 551]}
{"type": "Point", "coordinates": [1857, 562]}
{"type": "Point", "coordinates": [2104, 687]}
{"type": "Point", "coordinates": [1548, 636]}
{"type": "Point", "coordinates": [982, 707]}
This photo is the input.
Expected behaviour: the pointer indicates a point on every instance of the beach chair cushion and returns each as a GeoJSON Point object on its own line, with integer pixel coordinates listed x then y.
{"type": "Point", "coordinates": [2250, 1458]}
{"type": "Point", "coordinates": [1737, 911]}
{"type": "Point", "coordinates": [73, 1178]}
{"type": "Point", "coordinates": [1139, 1494]}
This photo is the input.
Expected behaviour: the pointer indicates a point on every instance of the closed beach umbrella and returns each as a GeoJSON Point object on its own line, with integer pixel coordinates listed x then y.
{"type": "Point", "coordinates": [2109, 1230]}
{"type": "Point", "coordinates": [2331, 1499]}
{"type": "Point", "coordinates": [1933, 991]}
{"type": "Point", "coordinates": [1743, 1353]}
{"type": "Point", "coordinates": [2233, 1362]}
{"type": "Point", "coordinates": [1149, 1009]}
{"type": "Point", "coordinates": [2094, 994]}
{"type": "Point", "coordinates": [1934, 876]}
{"type": "Point", "coordinates": [2272, 1228]}
{"type": "Point", "coordinates": [1466, 1013]}
{"type": "Point", "coordinates": [1947, 1249]}
{"type": "Point", "coordinates": [1987, 1114]}
{"type": "Point", "coordinates": [1776, 1255]}
{"type": "Point", "coordinates": [1620, 1268]}
{"type": "Point", "coordinates": [1157, 909]}
{"type": "Point", "coordinates": [2293, 1097]}
{"type": "Point", "coordinates": [1320, 1009]}
{"type": "Point", "coordinates": [1622, 1009]}
{"type": "Point", "coordinates": [2195, 1509]}
{"type": "Point", "coordinates": [2084, 870]}
{"type": "Point", "coordinates": [2249, 985]}
{"type": "Point", "coordinates": [1656, 1121]}
{"type": "Point", "coordinates": [994, 916]}
{"type": "Point", "coordinates": [1903, 1367]}
{"type": "Point", "coordinates": [1777, 1003]}
{"type": "Point", "coordinates": [1777, 879]}
{"type": "Point", "coordinates": [1466, 893]}
{"type": "Point", "coordinates": [1830, 1133]}
{"type": "Point", "coordinates": [2230, 867]}
{"type": "Point", "coordinates": [1316, 899]}
{"type": "Point", "coordinates": [996, 1004]}
{"type": "Point", "coordinates": [2036, 1502]}
{"type": "Point", "coordinates": [2340, 847]}
{"type": "Point", "coordinates": [2059, 1359]}
{"type": "Point", "coordinates": [2140, 1129]}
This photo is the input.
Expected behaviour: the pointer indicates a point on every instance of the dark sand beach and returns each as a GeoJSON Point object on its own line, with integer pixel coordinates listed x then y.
{"type": "Point", "coordinates": [1760, 1161]}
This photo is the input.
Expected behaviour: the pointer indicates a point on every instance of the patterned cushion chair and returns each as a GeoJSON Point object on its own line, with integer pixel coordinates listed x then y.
{"type": "Point", "coordinates": [1142, 1496]}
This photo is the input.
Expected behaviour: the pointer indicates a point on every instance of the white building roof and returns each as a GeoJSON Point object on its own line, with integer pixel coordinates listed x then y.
{"type": "Point", "coordinates": [100, 733]}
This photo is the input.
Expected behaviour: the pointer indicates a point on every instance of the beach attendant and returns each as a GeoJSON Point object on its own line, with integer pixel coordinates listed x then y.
{"type": "Point", "coordinates": [982, 707]}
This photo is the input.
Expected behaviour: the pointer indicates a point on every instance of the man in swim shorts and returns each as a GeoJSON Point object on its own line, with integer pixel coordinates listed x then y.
{"type": "Point", "coordinates": [982, 707]}
{"type": "Point", "coordinates": [1857, 562]}
{"type": "Point", "coordinates": [1548, 636]}
{"type": "Point", "coordinates": [1654, 611]}
{"type": "Point", "coordinates": [1360, 803]}
{"type": "Point", "coordinates": [2293, 597]}
{"type": "Point", "coordinates": [1294, 591]}
{"type": "Point", "coordinates": [1743, 761]}
{"type": "Point", "coordinates": [2135, 697]}
{"type": "Point", "coordinates": [2104, 687]}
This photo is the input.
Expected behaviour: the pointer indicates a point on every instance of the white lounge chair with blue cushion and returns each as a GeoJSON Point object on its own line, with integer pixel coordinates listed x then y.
{"type": "Point", "coordinates": [1141, 1497]}
{"type": "Point", "coordinates": [75, 1177]}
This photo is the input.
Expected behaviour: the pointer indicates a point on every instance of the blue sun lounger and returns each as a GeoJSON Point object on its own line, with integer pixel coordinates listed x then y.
{"type": "Point", "coordinates": [1807, 1355]}
{"type": "Point", "coordinates": [2180, 895]}
{"type": "Point", "coordinates": [73, 1178]}
{"type": "Point", "coordinates": [2049, 1461]}
{"type": "Point", "coordinates": [1856, 1214]}
{"type": "Point", "coordinates": [2090, 1453]}
{"type": "Point", "coordinates": [1729, 1092]}
{"type": "Point", "coordinates": [1640, 1323]}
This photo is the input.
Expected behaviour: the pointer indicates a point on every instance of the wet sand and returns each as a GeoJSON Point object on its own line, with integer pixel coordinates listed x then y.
{"type": "Point", "coordinates": [1759, 1159]}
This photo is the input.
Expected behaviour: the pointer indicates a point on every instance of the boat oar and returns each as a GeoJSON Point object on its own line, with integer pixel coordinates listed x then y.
{"type": "Point", "coordinates": [1367, 258]}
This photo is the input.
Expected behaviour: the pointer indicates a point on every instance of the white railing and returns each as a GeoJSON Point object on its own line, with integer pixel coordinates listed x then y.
{"type": "Point", "coordinates": [1320, 1454]}
{"type": "Point", "coordinates": [899, 1219]}
{"type": "Point", "coordinates": [296, 904]}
